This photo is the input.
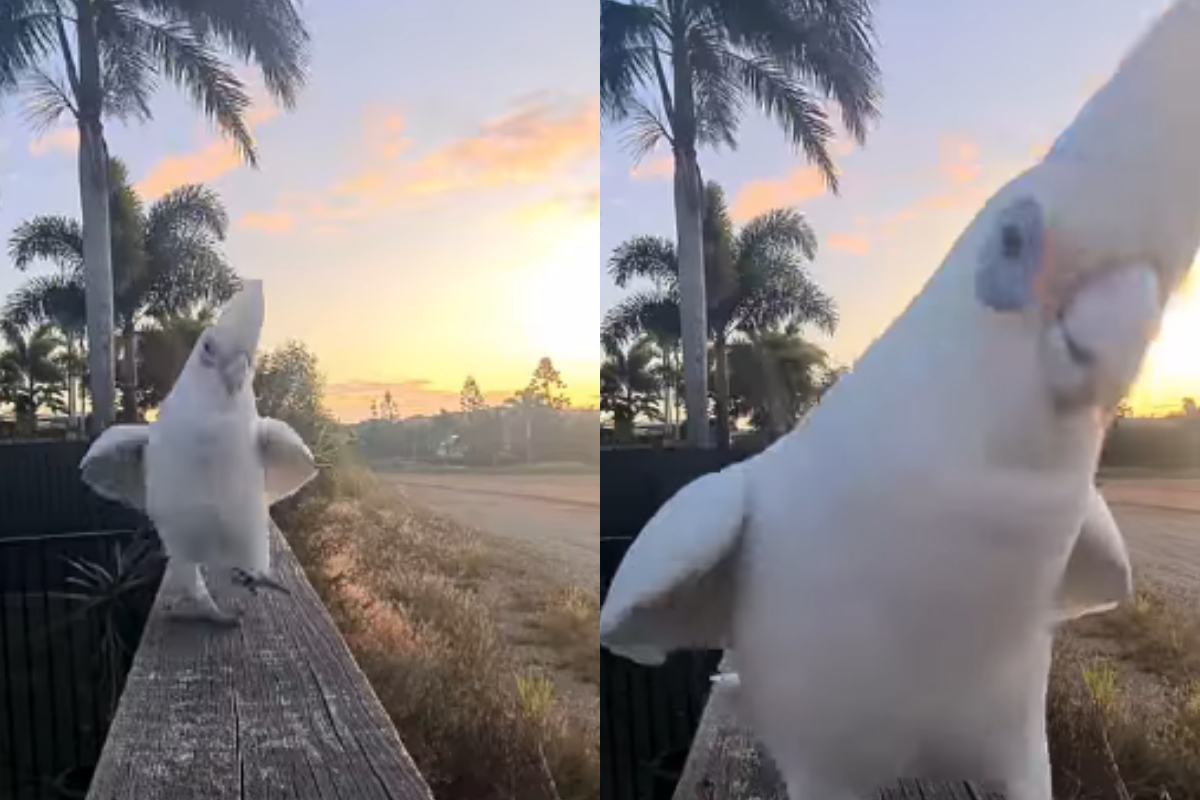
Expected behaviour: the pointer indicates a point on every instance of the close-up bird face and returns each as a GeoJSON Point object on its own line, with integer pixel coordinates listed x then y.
{"type": "Point", "coordinates": [1090, 318]}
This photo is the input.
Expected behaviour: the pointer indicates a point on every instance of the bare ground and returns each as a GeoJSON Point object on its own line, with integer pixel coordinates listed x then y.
{"type": "Point", "coordinates": [1160, 519]}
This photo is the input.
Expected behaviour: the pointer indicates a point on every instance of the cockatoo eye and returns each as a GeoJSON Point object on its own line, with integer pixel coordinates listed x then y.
{"type": "Point", "coordinates": [209, 348]}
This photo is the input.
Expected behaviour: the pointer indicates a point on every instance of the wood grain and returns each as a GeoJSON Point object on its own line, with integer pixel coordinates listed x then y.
{"type": "Point", "coordinates": [726, 763]}
{"type": "Point", "coordinates": [276, 708]}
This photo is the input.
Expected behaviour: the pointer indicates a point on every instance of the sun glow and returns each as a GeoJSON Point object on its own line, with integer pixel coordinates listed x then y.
{"type": "Point", "coordinates": [560, 295]}
{"type": "Point", "coordinates": [1172, 367]}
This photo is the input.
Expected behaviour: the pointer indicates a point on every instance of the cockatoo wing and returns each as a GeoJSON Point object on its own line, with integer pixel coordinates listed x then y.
{"type": "Point", "coordinates": [287, 462]}
{"type": "Point", "coordinates": [113, 465]}
{"type": "Point", "coordinates": [1098, 574]}
{"type": "Point", "coordinates": [674, 588]}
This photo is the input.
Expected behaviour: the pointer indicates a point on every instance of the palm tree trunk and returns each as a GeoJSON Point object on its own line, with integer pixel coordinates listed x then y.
{"type": "Point", "coordinates": [129, 379]}
{"type": "Point", "coordinates": [693, 307]}
{"type": "Point", "coordinates": [70, 375]}
{"type": "Point", "coordinates": [693, 318]}
{"type": "Point", "coordinates": [721, 355]}
{"type": "Point", "coordinates": [97, 246]}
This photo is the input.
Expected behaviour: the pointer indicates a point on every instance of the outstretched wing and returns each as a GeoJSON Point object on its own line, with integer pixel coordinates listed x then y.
{"type": "Point", "coordinates": [1098, 574]}
{"type": "Point", "coordinates": [113, 465]}
{"type": "Point", "coordinates": [674, 587]}
{"type": "Point", "coordinates": [287, 461]}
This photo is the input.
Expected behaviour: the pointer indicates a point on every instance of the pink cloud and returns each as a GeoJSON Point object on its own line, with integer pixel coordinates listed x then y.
{"type": "Point", "coordinates": [661, 167]}
{"type": "Point", "coordinates": [764, 194]}
{"type": "Point", "coordinates": [212, 160]}
{"type": "Point", "coordinates": [853, 243]}
{"type": "Point", "coordinates": [59, 140]}
{"type": "Point", "coordinates": [268, 221]}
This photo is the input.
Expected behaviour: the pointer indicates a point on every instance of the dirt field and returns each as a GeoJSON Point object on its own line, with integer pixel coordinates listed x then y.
{"type": "Point", "coordinates": [1160, 519]}
{"type": "Point", "coordinates": [553, 519]}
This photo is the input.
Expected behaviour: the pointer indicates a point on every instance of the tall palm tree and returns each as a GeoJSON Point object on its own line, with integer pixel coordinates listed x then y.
{"type": "Point", "coordinates": [101, 59]}
{"type": "Point", "coordinates": [167, 263]}
{"type": "Point", "coordinates": [629, 386]}
{"type": "Point", "coordinates": [681, 71]}
{"type": "Point", "coordinates": [756, 280]}
{"type": "Point", "coordinates": [30, 376]}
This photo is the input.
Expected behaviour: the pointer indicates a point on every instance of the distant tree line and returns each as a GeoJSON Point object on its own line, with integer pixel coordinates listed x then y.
{"type": "Point", "coordinates": [535, 424]}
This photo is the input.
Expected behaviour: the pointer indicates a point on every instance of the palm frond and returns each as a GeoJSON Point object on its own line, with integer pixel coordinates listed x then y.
{"type": "Point", "coordinates": [641, 313]}
{"type": "Point", "coordinates": [268, 33]}
{"type": "Point", "coordinates": [777, 230]}
{"type": "Point", "coordinates": [783, 96]}
{"type": "Point", "coordinates": [827, 43]}
{"type": "Point", "coordinates": [645, 129]}
{"type": "Point", "coordinates": [127, 81]}
{"type": "Point", "coordinates": [627, 37]}
{"type": "Point", "coordinates": [718, 97]}
{"type": "Point", "coordinates": [27, 35]}
{"type": "Point", "coordinates": [48, 298]}
{"type": "Point", "coordinates": [186, 211]}
{"type": "Point", "coordinates": [58, 240]}
{"type": "Point", "coordinates": [195, 67]}
{"type": "Point", "coordinates": [45, 100]}
{"type": "Point", "coordinates": [651, 257]}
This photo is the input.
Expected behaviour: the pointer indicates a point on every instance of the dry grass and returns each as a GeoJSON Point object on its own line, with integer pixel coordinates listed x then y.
{"type": "Point", "coordinates": [402, 585]}
{"type": "Point", "coordinates": [1124, 704]}
{"type": "Point", "coordinates": [567, 621]}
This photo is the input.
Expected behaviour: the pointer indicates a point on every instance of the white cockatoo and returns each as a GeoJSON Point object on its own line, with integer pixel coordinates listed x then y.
{"type": "Point", "coordinates": [888, 576]}
{"type": "Point", "coordinates": [207, 469]}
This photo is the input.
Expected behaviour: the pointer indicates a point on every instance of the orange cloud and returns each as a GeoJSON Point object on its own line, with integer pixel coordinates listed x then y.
{"type": "Point", "coordinates": [382, 129]}
{"type": "Point", "coordinates": [958, 160]}
{"type": "Point", "coordinates": [540, 139]}
{"type": "Point", "coordinates": [758, 196]}
{"type": "Point", "coordinates": [64, 140]}
{"type": "Point", "coordinates": [661, 167]}
{"type": "Point", "coordinates": [210, 162]}
{"type": "Point", "coordinates": [268, 221]}
{"type": "Point", "coordinates": [853, 243]}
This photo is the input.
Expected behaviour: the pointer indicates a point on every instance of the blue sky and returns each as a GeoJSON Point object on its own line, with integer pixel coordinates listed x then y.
{"type": "Point", "coordinates": [973, 93]}
{"type": "Point", "coordinates": [429, 210]}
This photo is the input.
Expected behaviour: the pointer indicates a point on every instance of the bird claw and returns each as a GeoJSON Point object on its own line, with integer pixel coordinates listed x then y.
{"type": "Point", "coordinates": [253, 583]}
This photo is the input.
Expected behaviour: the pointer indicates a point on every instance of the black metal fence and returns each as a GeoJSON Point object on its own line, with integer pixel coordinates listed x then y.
{"type": "Point", "coordinates": [78, 576]}
{"type": "Point", "coordinates": [648, 716]}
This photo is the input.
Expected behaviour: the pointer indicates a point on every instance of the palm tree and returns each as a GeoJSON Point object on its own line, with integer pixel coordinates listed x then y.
{"type": "Point", "coordinates": [756, 282]}
{"type": "Point", "coordinates": [167, 263]}
{"type": "Point", "coordinates": [681, 71]}
{"type": "Point", "coordinates": [775, 377]}
{"type": "Point", "coordinates": [30, 376]}
{"type": "Point", "coordinates": [57, 300]}
{"type": "Point", "coordinates": [629, 386]}
{"type": "Point", "coordinates": [100, 59]}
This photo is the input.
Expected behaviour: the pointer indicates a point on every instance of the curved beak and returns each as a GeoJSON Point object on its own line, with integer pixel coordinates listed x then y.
{"type": "Point", "coordinates": [237, 331]}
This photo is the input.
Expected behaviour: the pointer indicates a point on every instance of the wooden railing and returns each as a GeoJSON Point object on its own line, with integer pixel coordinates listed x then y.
{"type": "Point", "coordinates": [727, 763]}
{"type": "Point", "coordinates": [276, 708]}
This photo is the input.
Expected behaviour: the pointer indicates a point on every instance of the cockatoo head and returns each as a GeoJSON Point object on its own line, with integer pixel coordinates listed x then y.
{"type": "Point", "coordinates": [221, 365]}
{"type": "Point", "coordinates": [1078, 255]}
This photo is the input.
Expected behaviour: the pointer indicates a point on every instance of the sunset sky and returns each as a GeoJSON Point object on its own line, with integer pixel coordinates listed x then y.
{"type": "Point", "coordinates": [431, 208]}
{"type": "Point", "coordinates": [974, 93]}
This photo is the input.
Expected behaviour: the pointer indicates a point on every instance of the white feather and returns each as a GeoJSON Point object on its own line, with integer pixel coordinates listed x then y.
{"type": "Point", "coordinates": [112, 466]}
{"type": "Point", "coordinates": [287, 462]}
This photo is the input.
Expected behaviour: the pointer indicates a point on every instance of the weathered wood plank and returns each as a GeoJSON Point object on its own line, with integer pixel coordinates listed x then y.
{"type": "Point", "coordinates": [274, 709]}
{"type": "Point", "coordinates": [726, 763]}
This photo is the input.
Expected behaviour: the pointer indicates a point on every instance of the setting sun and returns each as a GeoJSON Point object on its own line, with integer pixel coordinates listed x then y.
{"type": "Point", "coordinates": [1172, 367]}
